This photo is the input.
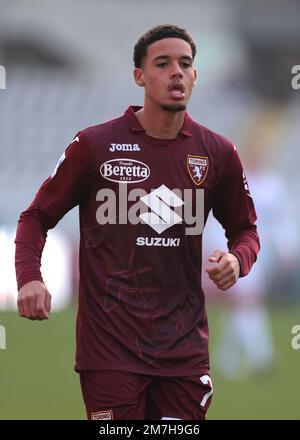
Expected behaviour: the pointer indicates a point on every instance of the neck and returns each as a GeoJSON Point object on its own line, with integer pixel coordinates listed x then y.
{"type": "Point", "coordinates": [160, 123]}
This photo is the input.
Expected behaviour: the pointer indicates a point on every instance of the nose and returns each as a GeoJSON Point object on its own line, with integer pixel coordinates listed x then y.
{"type": "Point", "coordinates": [176, 71]}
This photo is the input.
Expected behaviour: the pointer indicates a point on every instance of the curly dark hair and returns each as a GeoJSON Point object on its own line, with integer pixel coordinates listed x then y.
{"type": "Point", "coordinates": [159, 33]}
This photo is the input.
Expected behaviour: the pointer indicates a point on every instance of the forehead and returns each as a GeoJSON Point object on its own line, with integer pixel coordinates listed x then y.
{"type": "Point", "coordinates": [172, 47]}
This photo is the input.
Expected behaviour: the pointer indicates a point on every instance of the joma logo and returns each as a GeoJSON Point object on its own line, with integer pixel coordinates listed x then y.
{"type": "Point", "coordinates": [124, 147]}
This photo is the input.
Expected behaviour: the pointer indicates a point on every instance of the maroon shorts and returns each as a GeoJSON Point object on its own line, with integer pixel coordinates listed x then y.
{"type": "Point", "coordinates": [121, 395]}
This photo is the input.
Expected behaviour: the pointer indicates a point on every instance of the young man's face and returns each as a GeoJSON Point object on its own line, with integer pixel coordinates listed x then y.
{"type": "Point", "coordinates": [168, 74]}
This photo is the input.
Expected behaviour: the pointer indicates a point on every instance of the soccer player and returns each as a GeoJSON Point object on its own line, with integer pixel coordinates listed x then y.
{"type": "Point", "coordinates": [145, 183]}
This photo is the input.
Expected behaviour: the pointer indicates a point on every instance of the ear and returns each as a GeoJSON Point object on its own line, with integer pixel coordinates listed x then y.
{"type": "Point", "coordinates": [195, 77]}
{"type": "Point", "coordinates": [139, 76]}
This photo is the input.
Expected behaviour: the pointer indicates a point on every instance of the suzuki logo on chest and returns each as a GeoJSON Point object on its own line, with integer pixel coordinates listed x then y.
{"type": "Point", "coordinates": [162, 216]}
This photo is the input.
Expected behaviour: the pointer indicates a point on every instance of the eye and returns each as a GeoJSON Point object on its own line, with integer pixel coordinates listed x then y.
{"type": "Point", "coordinates": [186, 65]}
{"type": "Point", "coordinates": [161, 65]}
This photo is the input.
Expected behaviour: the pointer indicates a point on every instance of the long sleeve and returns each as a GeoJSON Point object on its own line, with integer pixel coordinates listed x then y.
{"type": "Point", "coordinates": [234, 209]}
{"type": "Point", "coordinates": [58, 194]}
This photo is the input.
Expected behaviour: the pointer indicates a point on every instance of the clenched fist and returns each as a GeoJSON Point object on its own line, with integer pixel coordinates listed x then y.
{"type": "Point", "coordinates": [226, 270]}
{"type": "Point", "coordinates": [34, 301]}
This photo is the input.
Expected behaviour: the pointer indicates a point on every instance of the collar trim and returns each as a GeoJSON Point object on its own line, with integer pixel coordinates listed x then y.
{"type": "Point", "coordinates": [134, 124]}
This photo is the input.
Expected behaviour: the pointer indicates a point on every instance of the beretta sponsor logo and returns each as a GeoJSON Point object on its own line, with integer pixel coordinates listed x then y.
{"type": "Point", "coordinates": [125, 170]}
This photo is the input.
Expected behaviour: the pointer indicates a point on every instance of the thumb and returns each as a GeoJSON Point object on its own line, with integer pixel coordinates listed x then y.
{"type": "Point", "coordinates": [47, 302]}
{"type": "Point", "coordinates": [216, 256]}
{"type": "Point", "coordinates": [40, 305]}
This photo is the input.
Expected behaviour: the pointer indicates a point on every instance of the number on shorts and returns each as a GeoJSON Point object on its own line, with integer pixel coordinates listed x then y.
{"type": "Point", "coordinates": [206, 380]}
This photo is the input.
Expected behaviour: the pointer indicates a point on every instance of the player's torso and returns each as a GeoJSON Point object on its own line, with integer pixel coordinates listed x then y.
{"type": "Point", "coordinates": [141, 229]}
{"type": "Point", "coordinates": [133, 174]}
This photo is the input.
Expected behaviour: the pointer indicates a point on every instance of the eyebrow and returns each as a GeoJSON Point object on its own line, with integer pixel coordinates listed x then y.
{"type": "Point", "coordinates": [183, 57]}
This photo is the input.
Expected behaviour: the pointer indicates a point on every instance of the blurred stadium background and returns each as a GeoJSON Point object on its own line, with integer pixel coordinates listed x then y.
{"type": "Point", "coordinates": [69, 65]}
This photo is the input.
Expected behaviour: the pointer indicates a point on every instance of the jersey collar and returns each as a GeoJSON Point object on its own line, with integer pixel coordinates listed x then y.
{"type": "Point", "coordinates": [134, 124]}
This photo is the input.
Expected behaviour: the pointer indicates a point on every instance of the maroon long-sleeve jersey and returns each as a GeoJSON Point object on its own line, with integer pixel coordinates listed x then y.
{"type": "Point", "coordinates": [141, 306]}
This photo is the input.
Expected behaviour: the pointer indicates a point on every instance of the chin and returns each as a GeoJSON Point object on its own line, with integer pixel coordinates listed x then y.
{"type": "Point", "coordinates": [174, 108]}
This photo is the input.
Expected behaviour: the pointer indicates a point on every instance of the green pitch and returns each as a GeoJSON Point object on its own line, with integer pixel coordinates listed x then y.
{"type": "Point", "coordinates": [37, 380]}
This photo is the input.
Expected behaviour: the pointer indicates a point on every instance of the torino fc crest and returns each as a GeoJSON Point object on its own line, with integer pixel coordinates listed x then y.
{"type": "Point", "coordinates": [197, 168]}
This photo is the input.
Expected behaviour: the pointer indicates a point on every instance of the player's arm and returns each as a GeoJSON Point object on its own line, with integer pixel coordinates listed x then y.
{"type": "Point", "coordinates": [234, 209]}
{"type": "Point", "coordinates": [58, 194]}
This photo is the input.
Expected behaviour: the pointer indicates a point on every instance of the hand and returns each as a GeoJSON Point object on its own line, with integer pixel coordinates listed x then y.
{"type": "Point", "coordinates": [226, 270]}
{"type": "Point", "coordinates": [34, 301]}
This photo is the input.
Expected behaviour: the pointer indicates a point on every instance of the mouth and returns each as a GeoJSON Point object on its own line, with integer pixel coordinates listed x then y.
{"type": "Point", "coordinates": [177, 90]}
